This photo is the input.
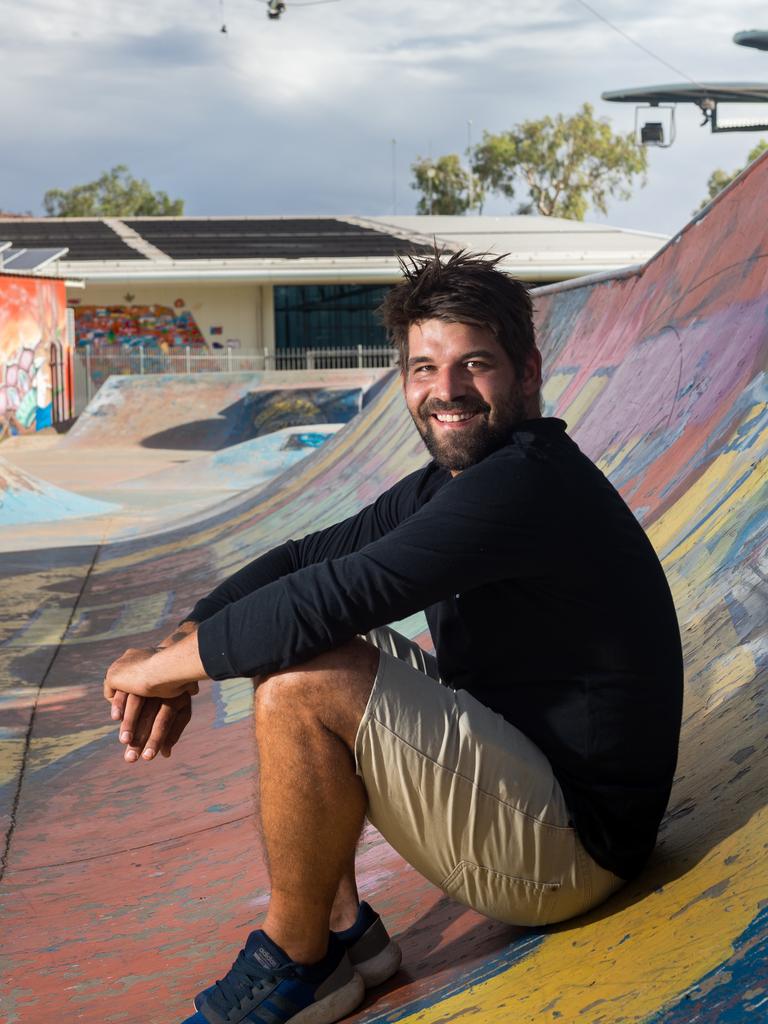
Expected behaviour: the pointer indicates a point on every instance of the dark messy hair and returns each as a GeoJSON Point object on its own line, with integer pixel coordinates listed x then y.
{"type": "Point", "coordinates": [465, 289]}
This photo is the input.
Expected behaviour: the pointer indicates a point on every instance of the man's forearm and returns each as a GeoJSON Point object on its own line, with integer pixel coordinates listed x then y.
{"type": "Point", "coordinates": [182, 630]}
{"type": "Point", "coordinates": [161, 672]}
{"type": "Point", "coordinates": [261, 571]}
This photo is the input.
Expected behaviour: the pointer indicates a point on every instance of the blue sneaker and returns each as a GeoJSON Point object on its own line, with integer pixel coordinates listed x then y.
{"type": "Point", "coordinates": [264, 986]}
{"type": "Point", "coordinates": [374, 955]}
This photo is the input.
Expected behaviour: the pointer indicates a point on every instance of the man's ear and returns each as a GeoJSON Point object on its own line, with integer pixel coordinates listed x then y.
{"type": "Point", "coordinates": [530, 381]}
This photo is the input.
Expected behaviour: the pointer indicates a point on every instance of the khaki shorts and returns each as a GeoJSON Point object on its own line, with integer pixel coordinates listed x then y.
{"type": "Point", "coordinates": [467, 799]}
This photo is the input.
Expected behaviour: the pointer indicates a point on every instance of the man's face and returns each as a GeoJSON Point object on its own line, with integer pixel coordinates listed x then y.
{"type": "Point", "coordinates": [463, 393]}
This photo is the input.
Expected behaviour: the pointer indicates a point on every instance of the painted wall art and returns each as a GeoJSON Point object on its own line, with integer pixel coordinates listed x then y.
{"type": "Point", "coordinates": [35, 359]}
{"type": "Point", "coordinates": [158, 327]}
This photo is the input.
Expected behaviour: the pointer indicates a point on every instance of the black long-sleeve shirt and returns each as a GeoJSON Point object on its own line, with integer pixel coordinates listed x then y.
{"type": "Point", "coordinates": [544, 598]}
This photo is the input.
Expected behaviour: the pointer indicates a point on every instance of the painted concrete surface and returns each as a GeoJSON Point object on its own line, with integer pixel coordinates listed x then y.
{"type": "Point", "coordinates": [127, 888]}
{"type": "Point", "coordinates": [210, 411]}
{"type": "Point", "coordinates": [168, 495]}
{"type": "Point", "coordinates": [143, 439]}
{"type": "Point", "coordinates": [27, 499]}
{"type": "Point", "coordinates": [248, 464]}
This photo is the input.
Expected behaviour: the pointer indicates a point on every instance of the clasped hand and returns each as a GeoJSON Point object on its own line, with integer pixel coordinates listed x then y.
{"type": "Point", "coordinates": [145, 673]}
{"type": "Point", "coordinates": [150, 692]}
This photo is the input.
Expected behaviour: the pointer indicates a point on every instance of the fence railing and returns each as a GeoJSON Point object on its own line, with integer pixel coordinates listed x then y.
{"type": "Point", "coordinates": [94, 366]}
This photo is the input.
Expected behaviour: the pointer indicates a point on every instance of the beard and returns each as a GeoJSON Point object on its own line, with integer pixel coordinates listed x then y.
{"type": "Point", "coordinates": [492, 428]}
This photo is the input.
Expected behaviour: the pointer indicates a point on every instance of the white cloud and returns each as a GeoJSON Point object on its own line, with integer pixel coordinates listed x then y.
{"type": "Point", "coordinates": [297, 116]}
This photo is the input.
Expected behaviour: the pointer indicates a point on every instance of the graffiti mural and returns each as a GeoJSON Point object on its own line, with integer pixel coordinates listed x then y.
{"type": "Point", "coordinates": [152, 326]}
{"type": "Point", "coordinates": [32, 338]}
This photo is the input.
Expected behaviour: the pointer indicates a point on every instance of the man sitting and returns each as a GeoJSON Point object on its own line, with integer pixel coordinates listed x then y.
{"type": "Point", "coordinates": [525, 769]}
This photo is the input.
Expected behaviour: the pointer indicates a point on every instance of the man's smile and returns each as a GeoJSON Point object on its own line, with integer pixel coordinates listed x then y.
{"type": "Point", "coordinates": [453, 419]}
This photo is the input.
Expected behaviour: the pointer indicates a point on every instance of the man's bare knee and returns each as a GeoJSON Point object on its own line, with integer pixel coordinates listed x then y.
{"type": "Point", "coordinates": [334, 687]}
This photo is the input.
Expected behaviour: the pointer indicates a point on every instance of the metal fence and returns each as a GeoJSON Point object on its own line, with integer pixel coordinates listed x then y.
{"type": "Point", "coordinates": [94, 366]}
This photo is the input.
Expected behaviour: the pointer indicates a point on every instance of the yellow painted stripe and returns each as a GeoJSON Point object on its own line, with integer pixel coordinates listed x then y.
{"type": "Point", "coordinates": [627, 965]}
{"type": "Point", "coordinates": [584, 400]}
{"type": "Point", "coordinates": [47, 749]}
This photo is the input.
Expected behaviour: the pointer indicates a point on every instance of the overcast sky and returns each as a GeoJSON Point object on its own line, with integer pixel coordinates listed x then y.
{"type": "Point", "coordinates": [297, 116]}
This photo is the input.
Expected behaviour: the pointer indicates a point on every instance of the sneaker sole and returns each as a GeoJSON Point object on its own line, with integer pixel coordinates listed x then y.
{"type": "Point", "coordinates": [381, 967]}
{"type": "Point", "coordinates": [334, 1006]}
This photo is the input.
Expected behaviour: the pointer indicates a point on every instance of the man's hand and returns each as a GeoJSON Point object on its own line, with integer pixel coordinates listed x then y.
{"type": "Point", "coordinates": [149, 725]}
{"type": "Point", "coordinates": [166, 671]}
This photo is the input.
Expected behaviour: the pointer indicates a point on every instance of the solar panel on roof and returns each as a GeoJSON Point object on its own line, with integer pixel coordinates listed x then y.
{"type": "Point", "coordinates": [268, 239]}
{"type": "Point", "coordinates": [29, 259]}
{"type": "Point", "coordinates": [85, 240]}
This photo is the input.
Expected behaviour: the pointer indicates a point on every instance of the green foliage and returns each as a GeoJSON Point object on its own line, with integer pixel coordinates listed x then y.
{"type": "Point", "coordinates": [563, 163]}
{"type": "Point", "coordinates": [444, 185]}
{"type": "Point", "coordinates": [115, 194]}
{"type": "Point", "coordinates": [719, 179]}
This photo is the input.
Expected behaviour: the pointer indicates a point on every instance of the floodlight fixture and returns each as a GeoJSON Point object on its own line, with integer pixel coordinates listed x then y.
{"type": "Point", "coordinates": [655, 125]}
{"type": "Point", "coordinates": [708, 97]}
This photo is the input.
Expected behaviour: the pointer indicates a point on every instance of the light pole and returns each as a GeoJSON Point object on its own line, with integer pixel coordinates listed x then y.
{"type": "Point", "coordinates": [431, 175]}
{"type": "Point", "coordinates": [394, 177]}
{"type": "Point", "coordinates": [469, 163]}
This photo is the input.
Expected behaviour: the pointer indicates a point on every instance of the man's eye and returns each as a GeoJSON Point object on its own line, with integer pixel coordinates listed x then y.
{"type": "Point", "coordinates": [419, 371]}
{"type": "Point", "coordinates": [476, 364]}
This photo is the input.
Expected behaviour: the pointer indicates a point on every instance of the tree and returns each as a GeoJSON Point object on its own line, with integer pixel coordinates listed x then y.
{"type": "Point", "coordinates": [444, 185]}
{"type": "Point", "coordinates": [564, 163]}
{"type": "Point", "coordinates": [115, 194]}
{"type": "Point", "coordinates": [719, 179]}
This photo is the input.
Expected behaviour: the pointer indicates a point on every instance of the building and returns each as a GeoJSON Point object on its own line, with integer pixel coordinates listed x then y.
{"type": "Point", "coordinates": [256, 284]}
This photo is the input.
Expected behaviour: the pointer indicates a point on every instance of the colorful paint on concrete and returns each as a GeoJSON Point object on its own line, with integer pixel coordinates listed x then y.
{"type": "Point", "coordinates": [244, 466]}
{"type": "Point", "coordinates": [34, 354]}
{"type": "Point", "coordinates": [25, 499]}
{"type": "Point", "coordinates": [209, 411]}
{"type": "Point", "coordinates": [125, 884]}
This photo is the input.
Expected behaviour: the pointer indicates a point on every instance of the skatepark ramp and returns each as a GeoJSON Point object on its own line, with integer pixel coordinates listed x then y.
{"type": "Point", "coordinates": [127, 887]}
{"type": "Point", "coordinates": [211, 411]}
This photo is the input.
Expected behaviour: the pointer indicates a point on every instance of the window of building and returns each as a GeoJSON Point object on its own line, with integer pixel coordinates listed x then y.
{"type": "Point", "coordinates": [328, 316]}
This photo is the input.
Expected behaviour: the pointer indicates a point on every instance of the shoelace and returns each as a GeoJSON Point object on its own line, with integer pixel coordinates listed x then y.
{"type": "Point", "coordinates": [244, 976]}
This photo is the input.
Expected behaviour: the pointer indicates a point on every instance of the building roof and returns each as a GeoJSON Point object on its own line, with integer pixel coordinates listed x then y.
{"type": "Point", "coordinates": [304, 250]}
{"type": "Point", "coordinates": [284, 238]}
{"type": "Point", "coordinates": [536, 248]}
{"type": "Point", "coordinates": [86, 239]}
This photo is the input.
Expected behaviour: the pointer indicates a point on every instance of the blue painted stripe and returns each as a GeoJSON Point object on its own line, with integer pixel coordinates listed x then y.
{"type": "Point", "coordinates": [734, 992]}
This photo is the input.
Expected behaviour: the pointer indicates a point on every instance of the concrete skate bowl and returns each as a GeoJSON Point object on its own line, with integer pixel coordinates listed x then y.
{"type": "Point", "coordinates": [211, 411]}
{"type": "Point", "coordinates": [127, 889]}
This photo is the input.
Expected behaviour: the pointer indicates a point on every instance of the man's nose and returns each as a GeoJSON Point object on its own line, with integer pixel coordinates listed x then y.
{"type": "Point", "coordinates": [450, 383]}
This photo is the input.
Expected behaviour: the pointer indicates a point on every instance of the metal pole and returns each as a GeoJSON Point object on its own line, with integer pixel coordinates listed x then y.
{"type": "Point", "coordinates": [88, 382]}
{"type": "Point", "coordinates": [188, 352]}
{"type": "Point", "coordinates": [141, 360]}
{"type": "Point", "coordinates": [469, 162]}
{"type": "Point", "coordinates": [229, 360]}
{"type": "Point", "coordinates": [360, 356]}
{"type": "Point", "coordinates": [394, 176]}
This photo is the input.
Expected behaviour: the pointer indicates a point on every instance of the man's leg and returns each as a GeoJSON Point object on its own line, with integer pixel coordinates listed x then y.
{"type": "Point", "coordinates": [347, 900]}
{"type": "Point", "coordinates": [312, 802]}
